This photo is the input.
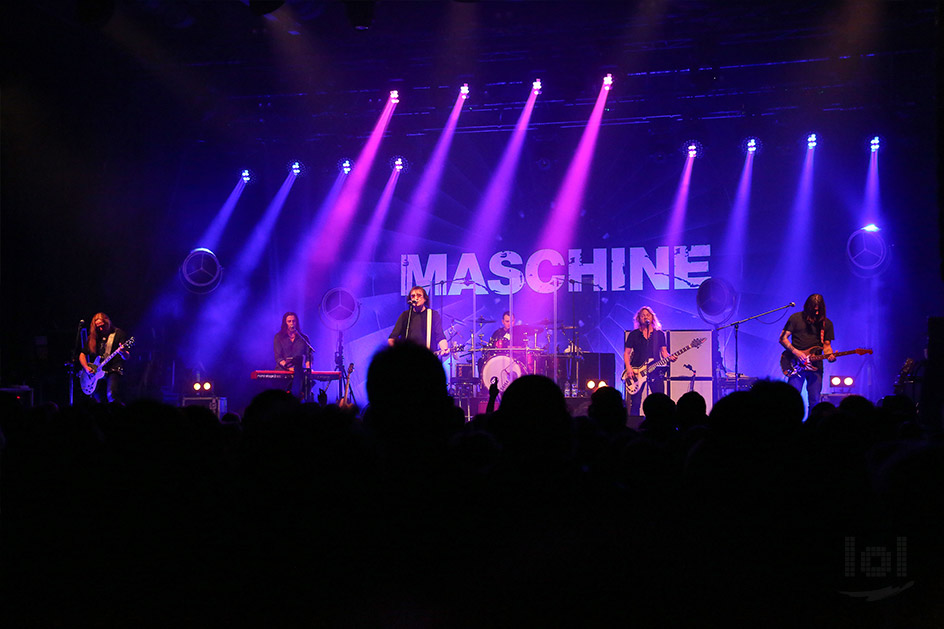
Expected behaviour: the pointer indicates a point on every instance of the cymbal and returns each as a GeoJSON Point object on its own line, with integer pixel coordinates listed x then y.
{"type": "Point", "coordinates": [525, 329]}
{"type": "Point", "coordinates": [544, 323]}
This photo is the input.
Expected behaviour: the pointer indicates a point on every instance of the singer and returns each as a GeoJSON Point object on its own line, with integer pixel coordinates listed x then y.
{"type": "Point", "coordinates": [644, 345]}
{"type": "Point", "coordinates": [420, 324]}
{"type": "Point", "coordinates": [806, 331]}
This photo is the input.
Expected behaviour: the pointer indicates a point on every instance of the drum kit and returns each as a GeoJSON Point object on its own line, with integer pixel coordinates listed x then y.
{"type": "Point", "coordinates": [524, 350]}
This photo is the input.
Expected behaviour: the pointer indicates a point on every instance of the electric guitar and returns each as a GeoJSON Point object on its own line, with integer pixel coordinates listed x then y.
{"type": "Point", "coordinates": [344, 403]}
{"type": "Point", "coordinates": [903, 376]}
{"type": "Point", "coordinates": [642, 373]}
{"type": "Point", "coordinates": [89, 381]}
{"type": "Point", "coordinates": [791, 365]}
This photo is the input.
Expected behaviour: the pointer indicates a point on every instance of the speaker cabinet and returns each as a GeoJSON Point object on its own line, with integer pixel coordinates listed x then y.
{"type": "Point", "coordinates": [215, 404]}
{"type": "Point", "coordinates": [704, 386]}
{"type": "Point", "coordinates": [698, 357]}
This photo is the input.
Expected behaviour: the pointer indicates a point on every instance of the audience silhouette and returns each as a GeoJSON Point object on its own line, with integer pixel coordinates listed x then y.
{"type": "Point", "coordinates": [406, 515]}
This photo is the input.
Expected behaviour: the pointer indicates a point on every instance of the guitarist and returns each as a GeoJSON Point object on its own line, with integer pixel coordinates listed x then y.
{"type": "Point", "coordinates": [103, 339]}
{"type": "Point", "coordinates": [420, 324]}
{"type": "Point", "coordinates": [644, 343]}
{"type": "Point", "coordinates": [802, 332]}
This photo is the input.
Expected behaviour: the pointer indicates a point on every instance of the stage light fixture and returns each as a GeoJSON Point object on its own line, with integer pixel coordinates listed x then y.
{"type": "Point", "coordinates": [692, 148]}
{"type": "Point", "coordinates": [394, 96]}
{"type": "Point", "coordinates": [246, 175]}
{"type": "Point", "coordinates": [841, 382]}
{"type": "Point", "coordinates": [608, 82]}
{"type": "Point", "coordinates": [871, 227]}
{"type": "Point", "coordinates": [296, 168]}
{"type": "Point", "coordinates": [601, 383]}
{"type": "Point", "coordinates": [536, 86]}
{"type": "Point", "coordinates": [874, 144]}
{"type": "Point", "coordinates": [591, 385]}
{"type": "Point", "coordinates": [464, 91]}
{"type": "Point", "coordinates": [202, 387]}
{"type": "Point", "coordinates": [345, 166]}
{"type": "Point", "coordinates": [811, 141]}
{"type": "Point", "coordinates": [398, 164]}
{"type": "Point", "coordinates": [751, 145]}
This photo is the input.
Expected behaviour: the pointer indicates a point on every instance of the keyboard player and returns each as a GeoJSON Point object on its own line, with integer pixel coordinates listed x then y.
{"type": "Point", "coordinates": [292, 349]}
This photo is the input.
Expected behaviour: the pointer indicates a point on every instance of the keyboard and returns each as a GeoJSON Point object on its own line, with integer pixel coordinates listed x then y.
{"type": "Point", "coordinates": [281, 374]}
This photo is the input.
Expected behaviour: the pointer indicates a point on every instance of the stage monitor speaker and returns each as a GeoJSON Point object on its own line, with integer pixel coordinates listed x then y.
{"type": "Point", "coordinates": [704, 386]}
{"type": "Point", "coordinates": [215, 404]}
{"type": "Point", "coordinates": [698, 357]}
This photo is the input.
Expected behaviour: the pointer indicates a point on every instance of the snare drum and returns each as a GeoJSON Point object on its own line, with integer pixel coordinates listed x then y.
{"type": "Point", "coordinates": [506, 369]}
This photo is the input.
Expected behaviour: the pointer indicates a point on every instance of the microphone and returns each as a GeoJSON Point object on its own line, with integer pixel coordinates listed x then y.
{"type": "Point", "coordinates": [792, 304]}
{"type": "Point", "coordinates": [409, 301]}
{"type": "Point", "coordinates": [689, 367]}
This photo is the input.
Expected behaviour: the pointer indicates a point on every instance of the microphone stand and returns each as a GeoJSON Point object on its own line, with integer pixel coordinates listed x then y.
{"type": "Point", "coordinates": [75, 358]}
{"type": "Point", "coordinates": [306, 370]}
{"type": "Point", "coordinates": [737, 325]}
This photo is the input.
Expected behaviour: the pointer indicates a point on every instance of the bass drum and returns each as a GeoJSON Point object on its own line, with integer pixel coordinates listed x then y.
{"type": "Point", "coordinates": [506, 369]}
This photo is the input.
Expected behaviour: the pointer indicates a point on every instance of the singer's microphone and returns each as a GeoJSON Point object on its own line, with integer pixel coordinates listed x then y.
{"type": "Point", "coordinates": [792, 304]}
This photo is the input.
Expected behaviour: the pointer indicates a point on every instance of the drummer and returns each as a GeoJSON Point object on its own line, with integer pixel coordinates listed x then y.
{"type": "Point", "coordinates": [502, 336]}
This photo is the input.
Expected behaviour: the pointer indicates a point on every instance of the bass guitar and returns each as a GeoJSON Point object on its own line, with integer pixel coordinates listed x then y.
{"type": "Point", "coordinates": [791, 365]}
{"type": "Point", "coordinates": [642, 373]}
{"type": "Point", "coordinates": [89, 381]}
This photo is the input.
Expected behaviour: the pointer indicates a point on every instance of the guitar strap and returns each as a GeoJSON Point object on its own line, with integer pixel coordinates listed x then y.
{"type": "Point", "coordinates": [429, 328]}
{"type": "Point", "coordinates": [109, 343]}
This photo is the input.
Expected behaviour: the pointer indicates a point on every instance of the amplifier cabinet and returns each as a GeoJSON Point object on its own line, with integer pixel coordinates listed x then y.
{"type": "Point", "coordinates": [215, 404]}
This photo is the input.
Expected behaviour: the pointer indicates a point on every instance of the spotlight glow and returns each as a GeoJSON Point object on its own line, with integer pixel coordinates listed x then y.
{"type": "Point", "coordinates": [608, 82]}
{"type": "Point", "coordinates": [874, 144]}
{"type": "Point", "coordinates": [464, 91]}
{"type": "Point", "coordinates": [196, 386]}
{"type": "Point", "coordinates": [398, 164]}
{"type": "Point", "coordinates": [847, 381]}
{"type": "Point", "coordinates": [752, 145]}
{"type": "Point", "coordinates": [811, 141]}
{"type": "Point", "coordinates": [296, 168]}
{"type": "Point", "coordinates": [871, 227]}
{"type": "Point", "coordinates": [536, 86]}
{"type": "Point", "coordinates": [692, 150]}
{"type": "Point", "coordinates": [246, 175]}
{"type": "Point", "coordinates": [602, 383]}
{"type": "Point", "coordinates": [394, 96]}
{"type": "Point", "coordinates": [591, 384]}
{"type": "Point", "coordinates": [346, 166]}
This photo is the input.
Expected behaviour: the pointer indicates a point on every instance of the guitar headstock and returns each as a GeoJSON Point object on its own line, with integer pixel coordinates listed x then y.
{"type": "Point", "coordinates": [863, 352]}
{"type": "Point", "coordinates": [128, 343]}
{"type": "Point", "coordinates": [696, 343]}
{"type": "Point", "coordinates": [350, 369]}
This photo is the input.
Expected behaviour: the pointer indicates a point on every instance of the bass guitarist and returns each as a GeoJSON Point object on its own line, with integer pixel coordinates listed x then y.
{"type": "Point", "coordinates": [805, 331]}
{"type": "Point", "coordinates": [103, 339]}
{"type": "Point", "coordinates": [644, 343]}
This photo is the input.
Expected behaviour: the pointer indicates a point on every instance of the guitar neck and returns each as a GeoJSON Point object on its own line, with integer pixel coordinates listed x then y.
{"type": "Point", "coordinates": [824, 356]}
{"type": "Point", "coordinates": [665, 361]}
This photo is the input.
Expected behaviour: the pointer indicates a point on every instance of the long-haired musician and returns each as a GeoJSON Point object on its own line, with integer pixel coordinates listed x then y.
{"type": "Point", "coordinates": [103, 339]}
{"type": "Point", "coordinates": [804, 331]}
{"type": "Point", "coordinates": [291, 348]}
{"type": "Point", "coordinates": [646, 342]}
